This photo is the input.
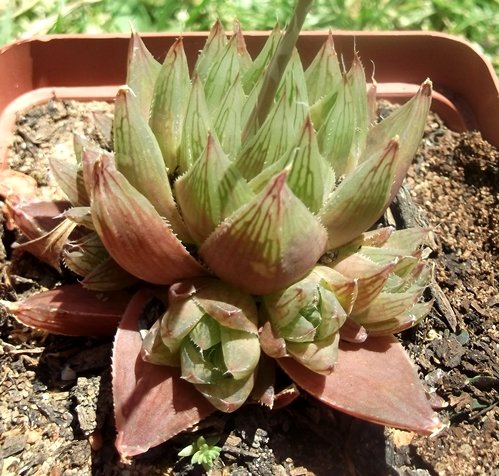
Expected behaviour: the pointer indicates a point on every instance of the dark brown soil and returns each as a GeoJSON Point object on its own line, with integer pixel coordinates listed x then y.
{"type": "Point", "coordinates": [55, 405]}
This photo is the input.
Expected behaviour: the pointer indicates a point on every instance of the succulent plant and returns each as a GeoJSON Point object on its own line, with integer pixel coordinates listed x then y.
{"type": "Point", "coordinates": [252, 188]}
{"type": "Point", "coordinates": [203, 452]}
{"type": "Point", "coordinates": [210, 330]}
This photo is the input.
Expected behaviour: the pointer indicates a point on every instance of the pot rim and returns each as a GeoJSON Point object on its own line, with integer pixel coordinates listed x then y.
{"type": "Point", "coordinates": [466, 88]}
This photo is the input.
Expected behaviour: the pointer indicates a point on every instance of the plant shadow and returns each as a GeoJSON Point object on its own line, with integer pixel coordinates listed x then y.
{"type": "Point", "coordinates": [307, 434]}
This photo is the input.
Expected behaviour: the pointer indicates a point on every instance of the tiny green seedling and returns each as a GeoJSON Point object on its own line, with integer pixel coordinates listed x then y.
{"type": "Point", "coordinates": [203, 451]}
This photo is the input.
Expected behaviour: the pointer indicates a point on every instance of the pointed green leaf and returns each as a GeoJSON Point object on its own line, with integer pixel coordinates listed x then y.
{"type": "Point", "coordinates": [283, 307]}
{"type": "Point", "coordinates": [234, 191]}
{"type": "Point", "coordinates": [267, 244]}
{"type": "Point", "coordinates": [251, 100]}
{"type": "Point", "coordinates": [342, 120]}
{"type": "Point", "coordinates": [210, 191]}
{"type": "Point", "coordinates": [169, 103]}
{"type": "Point", "coordinates": [361, 120]}
{"type": "Point", "coordinates": [195, 129]}
{"type": "Point", "coordinates": [252, 76]}
{"type": "Point", "coordinates": [307, 311]}
{"type": "Point", "coordinates": [189, 450]}
{"type": "Point", "coordinates": [275, 72]}
{"type": "Point", "coordinates": [142, 72]}
{"type": "Point", "coordinates": [320, 111]}
{"type": "Point", "coordinates": [360, 199]}
{"type": "Point", "coordinates": [289, 80]}
{"type": "Point", "coordinates": [412, 317]}
{"type": "Point", "coordinates": [324, 73]}
{"type": "Point", "coordinates": [221, 76]}
{"type": "Point", "coordinates": [227, 305]}
{"type": "Point", "coordinates": [271, 141]}
{"type": "Point", "coordinates": [180, 318]}
{"type": "Point", "coordinates": [215, 328]}
{"type": "Point", "coordinates": [214, 45]}
{"type": "Point", "coordinates": [375, 237]}
{"type": "Point", "coordinates": [408, 240]}
{"type": "Point", "coordinates": [345, 289]}
{"type": "Point", "coordinates": [381, 255]}
{"type": "Point", "coordinates": [310, 177]}
{"type": "Point", "coordinates": [406, 122]}
{"type": "Point", "coordinates": [138, 157]}
{"type": "Point", "coordinates": [227, 122]}
{"type": "Point", "coordinates": [386, 310]}
{"type": "Point", "coordinates": [370, 278]}
{"type": "Point", "coordinates": [415, 278]}
{"type": "Point", "coordinates": [404, 265]}
{"type": "Point", "coordinates": [244, 57]}
{"type": "Point", "coordinates": [155, 351]}
{"type": "Point", "coordinates": [301, 328]}
{"type": "Point", "coordinates": [69, 176]}
{"type": "Point", "coordinates": [421, 275]}
{"type": "Point", "coordinates": [133, 232]}
{"type": "Point", "coordinates": [293, 85]}
{"type": "Point", "coordinates": [197, 191]}
{"type": "Point", "coordinates": [190, 299]}
{"type": "Point", "coordinates": [395, 284]}
{"type": "Point", "coordinates": [336, 316]}
{"type": "Point", "coordinates": [336, 133]}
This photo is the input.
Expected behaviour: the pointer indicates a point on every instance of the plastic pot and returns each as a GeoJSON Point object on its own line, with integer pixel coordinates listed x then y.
{"type": "Point", "coordinates": [88, 67]}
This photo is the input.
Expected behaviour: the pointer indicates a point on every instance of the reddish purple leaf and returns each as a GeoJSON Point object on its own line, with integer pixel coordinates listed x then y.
{"type": "Point", "coordinates": [285, 397]}
{"type": "Point", "coordinates": [36, 218]}
{"type": "Point", "coordinates": [151, 403]}
{"type": "Point", "coordinates": [273, 345]}
{"type": "Point", "coordinates": [374, 381]}
{"type": "Point", "coordinates": [49, 247]}
{"type": "Point", "coordinates": [133, 232]}
{"type": "Point", "coordinates": [72, 310]}
{"type": "Point", "coordinates": [353, 332]}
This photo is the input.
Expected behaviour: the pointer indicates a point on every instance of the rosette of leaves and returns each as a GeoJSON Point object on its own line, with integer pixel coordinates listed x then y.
{"type": "Point", "coordinates": [304, 320]}
{"type": "Point", "coordinates": [371, 287]}
{"type": "Point", "coordinates": [231, 178]}
{"type": "Point", "coordinates": [391, 277]}
{"type": "Point", "coordinates": [210, 331]}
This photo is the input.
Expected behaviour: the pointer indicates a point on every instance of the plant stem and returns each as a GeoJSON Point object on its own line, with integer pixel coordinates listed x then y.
{"type": "Point", "coordinates": [276, 69]}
